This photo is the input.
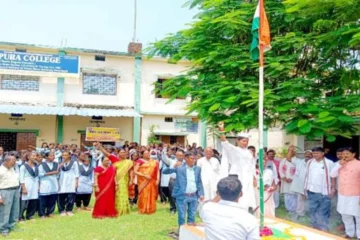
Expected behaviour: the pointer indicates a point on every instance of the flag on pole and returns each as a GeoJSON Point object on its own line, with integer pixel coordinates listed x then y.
{"type": "Point", "coordinates": [264, 38]}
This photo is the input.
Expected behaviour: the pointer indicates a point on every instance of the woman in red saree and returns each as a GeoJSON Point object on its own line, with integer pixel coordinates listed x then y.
{"type": "Point", "coordinates": [148, 173]}
{"type": "Point", "coordinates": [105, 188]}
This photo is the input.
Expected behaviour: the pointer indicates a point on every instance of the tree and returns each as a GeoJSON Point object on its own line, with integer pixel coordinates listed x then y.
{"type": "Point", "coordinates": [311, 74]}
{"type": "Point", "coordinates": [152, 139]}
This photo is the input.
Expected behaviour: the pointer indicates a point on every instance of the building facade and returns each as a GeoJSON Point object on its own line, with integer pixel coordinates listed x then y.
{"type": "Point", "coordinates": [42, 103]}
{"type": "Point", "coordinates": [111, 89]}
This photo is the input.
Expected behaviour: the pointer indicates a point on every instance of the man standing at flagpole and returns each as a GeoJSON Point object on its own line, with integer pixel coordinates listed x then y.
{"type": "Point", "coordinates": [240, 162]}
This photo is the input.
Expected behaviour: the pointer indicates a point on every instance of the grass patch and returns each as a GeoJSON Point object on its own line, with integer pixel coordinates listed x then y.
{"type": "Point", "coordinates": [82, 226]}
{"type": "Point", "coordinates": [133, 226]}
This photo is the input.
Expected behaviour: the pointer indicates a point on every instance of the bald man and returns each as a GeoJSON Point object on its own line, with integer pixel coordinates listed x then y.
{"type": "Point", "coordinates": [210, 173]}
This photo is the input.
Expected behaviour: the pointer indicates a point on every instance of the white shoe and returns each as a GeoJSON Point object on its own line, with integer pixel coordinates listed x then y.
{"type": "Point", "coordinates": [70, 214]}
{"type": "Point", "coordinates": [62, 214]}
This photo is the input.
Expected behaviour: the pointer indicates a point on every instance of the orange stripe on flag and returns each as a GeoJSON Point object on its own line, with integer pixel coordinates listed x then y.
{"type": "Point", "coordinates": [264, 38]}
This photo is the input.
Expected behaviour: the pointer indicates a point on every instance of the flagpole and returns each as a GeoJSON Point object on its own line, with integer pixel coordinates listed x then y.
{"type": "Point", "coordinates": [261, 115]}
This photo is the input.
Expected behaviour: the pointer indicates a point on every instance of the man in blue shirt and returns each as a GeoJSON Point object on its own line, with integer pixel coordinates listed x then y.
{"type": "Point", "coordinates": [188, 188]}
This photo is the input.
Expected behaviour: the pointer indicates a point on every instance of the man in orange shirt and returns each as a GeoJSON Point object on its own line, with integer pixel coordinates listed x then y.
{"type": "Point", "coordinates": [348, 172]}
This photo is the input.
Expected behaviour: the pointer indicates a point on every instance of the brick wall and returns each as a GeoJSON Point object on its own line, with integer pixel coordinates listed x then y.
{"type": "Point", "coordinates": [24, 140]}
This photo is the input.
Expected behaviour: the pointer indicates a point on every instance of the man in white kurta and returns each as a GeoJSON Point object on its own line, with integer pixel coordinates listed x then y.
{"type": "Point", "coordinates": [320, 188]}
{"type": "Point", "coordinates": [287, 172]}
{"type": "Point", "coordinates": [348, 172]}
{"type": "Point", "coordinates": [210, 173]}
{"type": "Point", "coordinates": [298, 183]}
{"type": "Point", "coordinates": [239, 161]}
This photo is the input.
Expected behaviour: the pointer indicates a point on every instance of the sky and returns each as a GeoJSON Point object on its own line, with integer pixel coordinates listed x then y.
{"type": "Point", "coordinates": [94, 24]}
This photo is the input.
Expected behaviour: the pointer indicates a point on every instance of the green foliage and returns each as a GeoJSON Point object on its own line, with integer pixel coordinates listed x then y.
{"type": "Point", "coordinates": [311, 74]}
{"type": "Point", "coordinates": [152, 139]}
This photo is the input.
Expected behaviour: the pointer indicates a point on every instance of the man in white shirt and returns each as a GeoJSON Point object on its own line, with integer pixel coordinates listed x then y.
{"type": "Point", "coordinates": [2, 155]}
{"type": "Point", "coordinates": [297, 185]}
{"type": "Point", "coordinates": [9, 195]}
{"type": "Point", "coordinates": [287, 173]}
{"type": "Point", "coordinates": [223, 217]}
{"type": "Point", "coordinates": [210, 173]}
{"type": "Point", "coordinates": [320, 188]}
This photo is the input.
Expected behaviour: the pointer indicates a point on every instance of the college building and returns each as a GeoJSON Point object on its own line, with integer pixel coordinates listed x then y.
{"type": "Point", "coordinates": [52, 94]}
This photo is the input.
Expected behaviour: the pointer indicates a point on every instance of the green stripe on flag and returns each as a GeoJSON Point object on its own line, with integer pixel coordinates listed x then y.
{"type": "Point", "coordinates": [254, 50]}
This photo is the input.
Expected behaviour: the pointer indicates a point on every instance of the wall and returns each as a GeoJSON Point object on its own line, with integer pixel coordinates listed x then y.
{"type": "Point", "coordinates": [46, 125]}
{"type": "Point", "coordinates": [46, 93]}
{"type": "Point", "coordinates": [162, 126]}
{"type": "Point", "coordinates": [151, 71]}
{"type": "Point", "coordinates": [122, 66]}
{"type": "Point", "coordinates": [72, 124]}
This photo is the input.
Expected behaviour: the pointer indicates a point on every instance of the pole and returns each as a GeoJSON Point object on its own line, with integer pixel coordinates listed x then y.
{"type": "Point", "coordinates": [261, 116]}
{"type": "Point", "coordinates": [135, 18]}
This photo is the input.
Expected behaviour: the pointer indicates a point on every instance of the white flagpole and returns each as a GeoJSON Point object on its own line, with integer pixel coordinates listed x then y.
{"type": "Point", "coordinates": [261, 117]}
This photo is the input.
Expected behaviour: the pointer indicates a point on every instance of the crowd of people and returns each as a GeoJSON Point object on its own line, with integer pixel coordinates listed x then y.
{"type": "Point", "coordinates": [221, 186]}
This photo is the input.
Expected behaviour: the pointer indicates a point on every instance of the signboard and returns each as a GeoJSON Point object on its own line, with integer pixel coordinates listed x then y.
{"type": "Point", "coordinates": [39, 64]}
{"type": "Point", "coordinates": [187, 124]}
{"type": "Point", "coordinates": [102, 134]}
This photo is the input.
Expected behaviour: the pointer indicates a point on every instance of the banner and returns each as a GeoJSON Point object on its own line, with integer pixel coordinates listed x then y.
{"type": "Point", "coordinates": [187, 124]}
{"type": "Point", "coordinates": [39, 64]}
{"type": "Point", "coordinates": [102, 134]}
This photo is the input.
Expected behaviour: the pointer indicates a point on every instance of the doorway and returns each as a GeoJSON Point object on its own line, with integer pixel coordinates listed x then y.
{"type": "Point", "coordinates": [341, 142]}
{"type": "Point", "coordinates": [171, 139]}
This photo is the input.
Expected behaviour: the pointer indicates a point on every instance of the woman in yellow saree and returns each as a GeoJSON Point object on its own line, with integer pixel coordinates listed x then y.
{"type": "Point", "coordinates": [147, 171]}
{"type": "Point", "coordinates": [124, 177]}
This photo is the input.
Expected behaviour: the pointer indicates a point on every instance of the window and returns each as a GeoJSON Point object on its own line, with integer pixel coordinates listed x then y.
{"type": "Point", "coordinates": [20, 50]}
{"type": "Point", "coordinates": [96, 118]}
{"type": "Point", "coordinates": [100, 58]}
{"type": "Point", "coordinates": [19, 82]}
{"type": "Point", "coordinates": [159, 88]}
{"type": "Point", "coordinates": [168, 119]}
{"type": "Point", "coordinates": [99, 84]}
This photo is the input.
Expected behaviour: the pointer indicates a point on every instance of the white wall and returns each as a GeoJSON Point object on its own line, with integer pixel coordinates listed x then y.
{"type": "Point", "coordinates": [162, 126]}
{"type": "Point", "coordinates": [124, 67]}
{"type": "Point", "coordinates": [151, 71]}
{"type": "Point", "coordinates": [46, 93]}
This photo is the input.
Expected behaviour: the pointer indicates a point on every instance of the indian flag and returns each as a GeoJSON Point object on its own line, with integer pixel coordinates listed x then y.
{"type": "Point", "coordinates": [264, 38]}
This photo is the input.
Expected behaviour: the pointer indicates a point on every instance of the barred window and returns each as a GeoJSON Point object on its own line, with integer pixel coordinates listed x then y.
{"type": "Point", "coordinates": [20, 82]}
{"type": "Point", "coordinates": [99, 84]}
{"type": "Point", "coordinates": [159, 86]}
{"type": "Point", "coordinates": [168, 119]}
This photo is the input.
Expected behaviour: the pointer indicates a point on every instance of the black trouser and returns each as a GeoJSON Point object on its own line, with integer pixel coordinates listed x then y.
{"type": "Point", "coordinates": [83, 199]}
{"type": "Point", "coordinates": [164, 194]}
{"type": "Point", "coordinates": [134, 201]}
{"type": "Point", "coordinates": [171, 198]}
{"type": "Point", "coordinates": [30, 207]}
{"type": "Point", "coordinates": [47, 204]}
{"type": "Point", "coordinates": [66, 202]}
